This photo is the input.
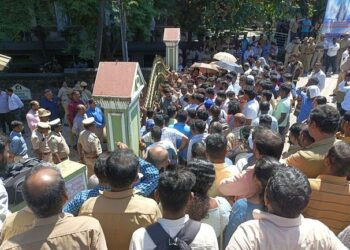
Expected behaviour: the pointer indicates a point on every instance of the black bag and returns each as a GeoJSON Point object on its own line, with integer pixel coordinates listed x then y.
{"type": "Point", "coordinates": [14, 178]}
{"type": "Point", "coordinates": [181, 241]}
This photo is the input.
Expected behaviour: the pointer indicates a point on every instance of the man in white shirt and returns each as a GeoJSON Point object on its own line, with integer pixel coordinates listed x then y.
{"type": "Point", "coordinates": [169, 134]}
{"type": "Point", "coordinates": [15, 105]}
{"type": "Point", "coordinates": [283, 227]}
{"type": "Point", "coordinates": [345, 56]}
{"type": "Point", "coordinates": [319, 74]}
{"type": "Point", "coordinates": [331, 58]}
{"type": "Point", "coordinates": [251, 108]}
{"type": "Point", "coordinates": [174, 193]}
{"type": "Point", "coordinates": [4, 110]}
{"type": "Point", "coordinates": [233, 83]}
{"type": "Point", "coordinates": [345, 87]}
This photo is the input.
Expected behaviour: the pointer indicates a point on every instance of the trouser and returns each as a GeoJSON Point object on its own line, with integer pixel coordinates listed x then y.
{"type": "Point", "coordinates": [99, 134]}
{"type": "Point", "coordinates": [17, 158]}
{"type": "Point", "coordinates": [4, 119]}
{"type": "Point", "coordinates": [331, 62]}
{"type": "Point", "coordinates": [307, 65]}
{"type": "Point", "coordinates": [15, 114]}
{"type": "Point", "coordinates": [89, 162]}
{"type": "Point", "coordinates": [318, 56]}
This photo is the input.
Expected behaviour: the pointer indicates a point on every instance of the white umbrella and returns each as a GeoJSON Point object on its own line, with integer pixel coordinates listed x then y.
{"type": "Point", "coordinates": [226, 57]}
{"type": "Point", "coordinates": [205, 67]}
{"type": "Point", "coordinates": [231, 67]}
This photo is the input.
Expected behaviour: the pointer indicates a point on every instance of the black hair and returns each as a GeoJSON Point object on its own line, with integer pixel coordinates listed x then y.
{"type": "Point", "coordinates": [50, 200]}
{"type": "Point", "coordinates": [215, 127]}
{"type": "Point", "coordinates": [267, 94]}
{"type": "Point", "coordinates": [339, 157]}
{"type": "Point", "coordinates": [250, 92]}
{"type": "Point", "coordinates": [198, 126]}
{"type": "Point", "coordinates": [91, 101]}
{"type": "Point", "coordinates": [15, 124]}
{"type": "Point", "coordinates": [181, 115]}
{"type": "Point", "coordinates": [159, 120]}
{"type": "Point", "coordinates": [320, 100]}
{"type": "Point", "coordinates": [222, 94]}
{"type": "Point", "coordinates": [266, 85]}
{"type": "Point", "coordinates": [122, 168]}
{"type": "Point", "coordinates": [175, 189]}
{"type": "Point", "coordinates": [218, 101]}
{"type": "Point", "coordinates": [199, 97]}
{"type": "Point", "coordinates": [9, 90]}
{"type": "Point", "coordinates": [326, 118]}
{"type": "Point", "coordinates": [264, 168]}
{"type": "Point", "coordinates": [288, 192]}
{"type": "Point", "coordinates": [233, 107]}
{"type": "Point", "coordinates": [249, 81]}
{"type": "Point", "coordinates": [215, 111]}
{"type": "Point", "coordinates": [286, 88]}
{"type": "Point", "coordinates": [264, 106]}
{"type": "Point", "coordinates": [198, 150]}
{"type": "Point", "coordinates": [265, 121]}
{"type": "Point", "coordinates": [267, 142]}
{"type": "Point", "coordinates": [205, 177]}
{"type": "Point", "coordinates": [171, 111]}
{"type": "Point", "coordinates": [295, 129]}
{"type": "Point", "coordinates": [216, 146]}
{"type": "Point", "coordinates": [192, 113]}
{"type": "Point", "coordinates": [202, 114]}
{"type": "Point", "coordinates": [156, 133]}
{"type": "Point", "coordinates": [149, 113]}
{"type": "Point", "coordinates": [100, 167]}
{"type": "Point", "coordinates": [210, 91]}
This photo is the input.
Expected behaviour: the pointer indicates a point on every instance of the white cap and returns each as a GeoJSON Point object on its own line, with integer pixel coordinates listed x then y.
{"type": "Point", "coordinates": [88, 121]}
{"type": "Point", "coordinates": [55, 122]}
{"type": "Point", "coordinates": [251, 77]}
{"type": "Point", "coordinates": [314, 91]}
{"type": "Point", "coordinates": [44, 125]}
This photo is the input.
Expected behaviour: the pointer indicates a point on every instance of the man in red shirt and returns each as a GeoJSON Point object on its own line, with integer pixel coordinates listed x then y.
{"type": "Point", "coordinates": [72, 106]}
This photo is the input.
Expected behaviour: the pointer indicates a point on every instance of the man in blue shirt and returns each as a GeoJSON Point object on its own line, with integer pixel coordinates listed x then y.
{"type": "Point", "coordinates": [307, 99]}
{"type": "Point", "coordinates": [96, 112]}
{"type": "Point", "coordinates": [182, 127]}
{"type": "Point", "coordinates": [52, 103]}
{"type": "Point", "coordinates": [305, 27]}
{"type": "Point", "coordinates": [18, 147]}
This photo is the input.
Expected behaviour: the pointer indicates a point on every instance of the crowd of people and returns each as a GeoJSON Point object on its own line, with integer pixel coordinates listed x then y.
{"type": "Point", "coordinates": [214, 171]}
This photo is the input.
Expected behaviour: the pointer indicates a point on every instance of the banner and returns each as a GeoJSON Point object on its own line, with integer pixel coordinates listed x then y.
{"type": "Point", "coordinates": [337, 17]}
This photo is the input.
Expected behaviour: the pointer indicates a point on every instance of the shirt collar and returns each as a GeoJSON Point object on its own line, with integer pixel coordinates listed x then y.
{"type": "Point", "coordinates": [326, 141]}
{"type": "Point", "coordinates": [219, 165]}
{"type": "Point", "coordinates": [16, 133]}
{"type": "Point", "coordinates": [174, 223]}
{"type": "Point", "coordinates": [277, 220]}
{"type": "Point", "coordinates": [118, 195]}
{"type": "Point", "coordinates": [51, 220]}
{"type": "Point", "coordinates": [332, 178]}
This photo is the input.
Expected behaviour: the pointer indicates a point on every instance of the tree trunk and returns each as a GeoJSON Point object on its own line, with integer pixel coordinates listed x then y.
{"type": "Point", "coordinates": [99, 35]}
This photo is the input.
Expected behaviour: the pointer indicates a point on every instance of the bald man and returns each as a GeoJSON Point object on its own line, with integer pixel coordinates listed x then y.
{"type": "Point", "coordinates": [45, 194]}
{"type": "Point", "coordinates": [159, 157]}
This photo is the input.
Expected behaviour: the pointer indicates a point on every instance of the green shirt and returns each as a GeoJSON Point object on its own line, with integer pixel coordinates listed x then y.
{"type": "Point", "coordinates": [283, 106]}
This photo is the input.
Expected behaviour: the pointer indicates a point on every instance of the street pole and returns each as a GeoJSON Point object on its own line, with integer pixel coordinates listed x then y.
{"type": "Point", "coordinates": [123, 31]}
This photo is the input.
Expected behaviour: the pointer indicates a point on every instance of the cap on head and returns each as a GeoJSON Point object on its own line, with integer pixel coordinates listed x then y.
{"type": "Point", "coordinates": [55, 122]}
{"type": "Point", "coordinates": [83, 84]}
{"type": "Point", "coordinates": [43, 112]}
{"type": "Point", "coordinates": [314, 91]}
{"type": "Point", "coordinates": [88, 121]}
{"type": "Point", "coordinates": [44, 125]}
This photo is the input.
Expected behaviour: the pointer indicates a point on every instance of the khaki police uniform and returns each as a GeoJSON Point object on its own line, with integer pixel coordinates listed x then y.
{"type": "Point", "coordinates": [58, 145]}
{"type": "Point", "coordinates": [318, 54]}
{"type": "Point", "coordinates": [40, 144]}
{"type": "Point", "coordinates": [90, 148]}
{"type": "Point", "coordinates": [309, 51]}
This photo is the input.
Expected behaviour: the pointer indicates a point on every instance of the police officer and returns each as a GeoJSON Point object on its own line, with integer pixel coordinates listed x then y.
{"type": "Point", "coordinates": [44, 115]}
{"type": "Point", "coordinates": [309, 51]}
{"type": "Point", "coordinates": [85, 93]}
{"type": "Point", "coordinates": [39, 141]}
{"type": "Point", "coordinates": [319, 51]}
{"type": "Point", "coordinates": [57, 143]}
{"type": "Point", "coordinates": [89, 146]}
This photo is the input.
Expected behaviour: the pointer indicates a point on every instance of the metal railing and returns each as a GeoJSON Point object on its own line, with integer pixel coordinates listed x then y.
{"type": "Point", "coordinates": [159, 74]}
